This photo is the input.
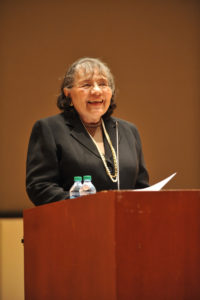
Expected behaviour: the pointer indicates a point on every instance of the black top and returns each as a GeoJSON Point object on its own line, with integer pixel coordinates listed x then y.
{"type": "Point", "coordinates": [60, 148]}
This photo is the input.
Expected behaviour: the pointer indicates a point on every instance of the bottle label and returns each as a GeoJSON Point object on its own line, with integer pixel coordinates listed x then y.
{"type": "Point", "coordinates": [85, 187]}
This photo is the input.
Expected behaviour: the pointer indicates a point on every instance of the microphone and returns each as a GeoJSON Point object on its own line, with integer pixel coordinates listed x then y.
{"type": "Point", "coordinates": [117, 144]}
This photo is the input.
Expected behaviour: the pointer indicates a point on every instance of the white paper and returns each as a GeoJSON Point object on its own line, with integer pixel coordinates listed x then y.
{"type": "Point", "coordinates": [158, 186]}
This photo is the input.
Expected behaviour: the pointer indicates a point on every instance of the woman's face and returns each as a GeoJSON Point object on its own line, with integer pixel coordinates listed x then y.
{"type": "Point", "coordinates": [90, 94]}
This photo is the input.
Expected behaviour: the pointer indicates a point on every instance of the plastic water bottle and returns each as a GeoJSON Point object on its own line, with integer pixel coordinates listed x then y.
{"type": "Point", "coordinates": [87, 187]}
{"type": "Point", "coordinates": [74, 191]}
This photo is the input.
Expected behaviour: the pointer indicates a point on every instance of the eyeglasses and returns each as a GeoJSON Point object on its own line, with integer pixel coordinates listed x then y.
{"type": "Point", "coordinates": [102, 85]}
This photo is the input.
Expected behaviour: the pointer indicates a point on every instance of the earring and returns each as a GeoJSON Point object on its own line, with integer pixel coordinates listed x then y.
{"type": "Point", "coordinates": [69, 100]}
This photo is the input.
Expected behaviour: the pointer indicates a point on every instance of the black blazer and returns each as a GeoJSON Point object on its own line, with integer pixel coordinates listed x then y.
{"type": "Point", "coordinates": [60, 148]}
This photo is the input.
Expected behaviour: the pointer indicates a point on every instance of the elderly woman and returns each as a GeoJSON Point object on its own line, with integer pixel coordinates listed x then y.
{"type": "Point", "coordinates": [84, 139]}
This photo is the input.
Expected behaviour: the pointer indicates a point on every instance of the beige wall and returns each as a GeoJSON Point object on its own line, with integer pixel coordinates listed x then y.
{"type": "Point", "coordinates": [11, 260]}
{"type": "Point", "coordinates": [152, 48]}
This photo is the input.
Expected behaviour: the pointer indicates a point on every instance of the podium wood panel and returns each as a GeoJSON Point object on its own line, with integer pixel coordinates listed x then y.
{"type": "Point", "coordinates": [115, 245]}
{"type": "Point", "coordinates": [69, 247]}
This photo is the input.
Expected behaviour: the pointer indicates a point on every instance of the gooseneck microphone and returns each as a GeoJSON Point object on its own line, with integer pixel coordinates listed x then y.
{"type": "Point", "coordinates": [117, 144]}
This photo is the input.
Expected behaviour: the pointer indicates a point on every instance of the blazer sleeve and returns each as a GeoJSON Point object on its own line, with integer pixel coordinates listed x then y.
{"type": "Point", "coordinates": [143, 176]}
{"type": "Point", "coordinates": [42, 168]}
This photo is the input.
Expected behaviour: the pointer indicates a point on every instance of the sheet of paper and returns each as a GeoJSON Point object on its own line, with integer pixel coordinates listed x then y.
{"type": "Point", "coordinates": [158, 186]}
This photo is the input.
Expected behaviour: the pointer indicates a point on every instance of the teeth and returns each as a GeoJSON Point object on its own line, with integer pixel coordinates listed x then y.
{"type": "Point", "coordinates": [99, 101]}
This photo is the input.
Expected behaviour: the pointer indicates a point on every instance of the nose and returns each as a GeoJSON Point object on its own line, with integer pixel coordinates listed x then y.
{"type": "Point", "coordinates": [96, 88]}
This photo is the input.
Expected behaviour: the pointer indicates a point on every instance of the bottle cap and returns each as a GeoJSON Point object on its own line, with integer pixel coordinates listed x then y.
{"type": "Point", "coordinates": [87, 177]}
{"type": "Point", "coordinates": [77, 178]}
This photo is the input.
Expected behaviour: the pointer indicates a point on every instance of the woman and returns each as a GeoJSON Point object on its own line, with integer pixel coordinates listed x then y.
{"type": "Point", "coordinates": [84, 139]}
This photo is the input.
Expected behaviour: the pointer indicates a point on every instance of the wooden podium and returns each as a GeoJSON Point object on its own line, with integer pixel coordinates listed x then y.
{"type": "Point", "coordinates": [114, 245]}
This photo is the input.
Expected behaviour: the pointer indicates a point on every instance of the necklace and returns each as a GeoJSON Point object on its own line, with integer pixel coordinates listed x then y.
{"type": "Point", "coordinates": [112, 177]}
{"type": "Point", "coordinates": [92, 125]}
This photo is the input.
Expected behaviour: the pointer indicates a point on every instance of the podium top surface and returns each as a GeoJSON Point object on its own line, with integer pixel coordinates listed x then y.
{"type": "Point", "coordinates": [127, 195]}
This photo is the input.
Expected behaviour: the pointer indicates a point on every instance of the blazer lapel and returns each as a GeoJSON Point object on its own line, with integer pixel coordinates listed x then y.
{"type": "Point", "coordinates": [79, 133]}
{"type": "Point", "coordinates": [110, 125]}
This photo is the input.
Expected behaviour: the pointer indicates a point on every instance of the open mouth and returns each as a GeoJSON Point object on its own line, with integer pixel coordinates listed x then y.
{"type": "Point", "coordinates": [95, 101]}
